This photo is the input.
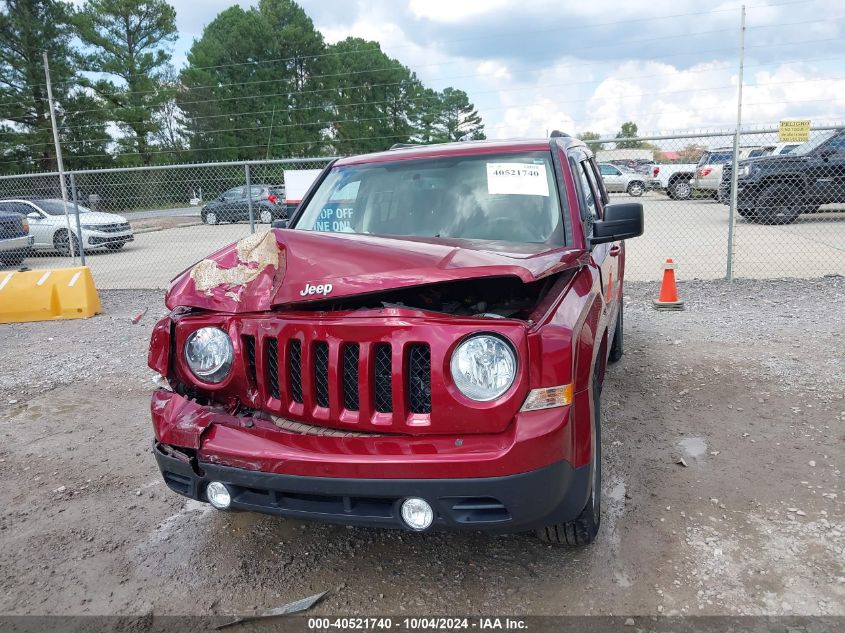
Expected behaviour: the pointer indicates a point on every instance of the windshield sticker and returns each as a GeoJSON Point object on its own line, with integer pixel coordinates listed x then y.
{"type": "Point", "coordinates": [517, 178]}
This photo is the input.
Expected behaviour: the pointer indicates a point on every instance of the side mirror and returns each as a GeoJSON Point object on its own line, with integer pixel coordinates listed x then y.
{"type": "Point", "coordinates": [622, 220]}
{"type": "Point", "coordinates": [279, 224]}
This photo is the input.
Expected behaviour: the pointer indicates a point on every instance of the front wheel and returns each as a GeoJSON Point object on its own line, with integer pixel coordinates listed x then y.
{"type": "Point", "coordinates": [636, 189]}
{"type": "Point", "coordinates": [583, 529]}
{"type": "Point", "coordinates": [210, 217]}
{"type": "Point", "coordinates": [266, 217]}
{"type": "Point", "coordinates": [779, 204]}
{"type": "Point", "coordinates": [63, 245]}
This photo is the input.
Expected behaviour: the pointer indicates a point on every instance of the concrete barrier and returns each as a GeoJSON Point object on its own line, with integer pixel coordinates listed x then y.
{"type": "Point", "coordinates": [45, 295]}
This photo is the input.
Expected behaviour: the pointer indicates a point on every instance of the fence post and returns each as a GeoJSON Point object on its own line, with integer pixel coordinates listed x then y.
{"type": "Point", "coordinates": [249, 198]}
{"type": "Point", "coordinates": [76, 212]}
{"type": "Point", "coordinates": [729, 272]}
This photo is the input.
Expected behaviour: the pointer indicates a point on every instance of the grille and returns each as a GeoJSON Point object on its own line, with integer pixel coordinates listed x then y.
{"type": "Point", "coordinates": [351, 353]}
{"type": "Point", "coordinates": [419, 379]}
{"type": "Point", "coordinates": [113, 228]}
{"type": "Point", "coordinates": [273, 367]}
{"type": "Point", "coordinates": [321, 373]}
{"type": "Point", "coordinates": [249, 347]}
{"type": "Point", "coordinates": [295, 370]}
{"type": "Point", "coordinates": [382, 378]}
{"type": "Point", "coordinates": [300, 376]}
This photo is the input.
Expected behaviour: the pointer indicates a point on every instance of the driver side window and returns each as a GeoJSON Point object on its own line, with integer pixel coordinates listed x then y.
{"type": "Point", "coordinates": [234, 194]}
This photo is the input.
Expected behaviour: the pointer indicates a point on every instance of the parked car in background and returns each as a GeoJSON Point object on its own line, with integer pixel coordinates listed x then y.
{"type": "Point", "coordinates": [619, 179]}
{"type": "Point", "coordinates": [268, 204]}
{"type": "Point", "coordinates": [708, 173]}
{"type": "Point", "coordinates": [48, 226]}
{"type": "Point", "coordinates": [778, 189]}
{"type": "Point", "coordinates": [15, 240]}
{"type": "Point", "coordinates": [674, 179]}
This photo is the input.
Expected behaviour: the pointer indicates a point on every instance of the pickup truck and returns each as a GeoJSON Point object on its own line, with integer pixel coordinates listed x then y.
{"type": "Point", "coordinates": [15, 240]}
{"type": "Point", "coordinates": [777, 189]}
{"type": "Point", "coordinates": [422, 346]}
{"type": "Point", "coordinates": [675, 180]}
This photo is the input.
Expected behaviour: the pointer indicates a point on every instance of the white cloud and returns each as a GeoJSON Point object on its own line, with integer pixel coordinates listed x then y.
{"type": "Point", "coordinates": [454, 11]}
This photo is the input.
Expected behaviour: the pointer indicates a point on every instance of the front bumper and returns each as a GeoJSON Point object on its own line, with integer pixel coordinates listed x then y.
{"type": "Point", "coordinates": [511, 503]}
{"type": "Point", "coordinates": [95, 239]}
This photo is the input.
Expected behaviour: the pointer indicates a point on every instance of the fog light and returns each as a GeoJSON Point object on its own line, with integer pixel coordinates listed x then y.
{"type": "Point", "coordinates": [417, 513]}
{"type": "Point", "coordinates": [218, 495]}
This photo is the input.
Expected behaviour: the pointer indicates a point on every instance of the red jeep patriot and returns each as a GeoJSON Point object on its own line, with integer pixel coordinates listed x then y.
{"type": "Point", "coordinates": [422, 347]}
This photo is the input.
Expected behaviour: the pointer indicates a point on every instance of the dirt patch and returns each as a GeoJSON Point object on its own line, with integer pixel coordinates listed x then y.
{"type": "Point", "coordinates": [745, 385]}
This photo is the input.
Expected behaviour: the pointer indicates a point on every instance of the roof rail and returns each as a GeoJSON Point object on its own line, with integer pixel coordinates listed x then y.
{"type": "Point", "coordinates": [403, 145]}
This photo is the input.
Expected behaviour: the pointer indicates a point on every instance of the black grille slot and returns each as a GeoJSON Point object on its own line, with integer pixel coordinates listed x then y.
{"type": "Point", "coordinates": [351, 352]}
{"type": "Point", "coordinates": [249, 348]}
{"type": "Point", "coordinates": [273, 367]}
{"type": "Point", "coordinates": [419, 379]}
{"type": "Point", "coordinates": [295, 370]}
{"type": "Point", "coordinates": [382, 378]}
{"type": "Point", "coordinates": [321, 373]}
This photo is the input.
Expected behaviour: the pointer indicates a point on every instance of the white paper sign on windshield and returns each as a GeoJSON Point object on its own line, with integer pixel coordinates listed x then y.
{"type": "Point", "coordinates": [517, 178]}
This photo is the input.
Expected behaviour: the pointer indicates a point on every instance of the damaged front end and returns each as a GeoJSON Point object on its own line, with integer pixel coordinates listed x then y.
{"type": "Point", "coordinates": [358, 379]}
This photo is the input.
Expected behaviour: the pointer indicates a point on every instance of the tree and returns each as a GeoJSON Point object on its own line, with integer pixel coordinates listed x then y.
{"type": "Point", "coordinates": [256, 84]}
{"type": "Point", "coordinates": [129, 40]}
{"type": "Point", "coordinates": [375, 99]}
{"type": "Point", "coordinates": [629, 131]}
{"type": "Point", "coordinates": [455, 118]}
{"type": "Point", "coordinates": [589, 138]}
{"type": "Point", "coordinates": [28, 27]}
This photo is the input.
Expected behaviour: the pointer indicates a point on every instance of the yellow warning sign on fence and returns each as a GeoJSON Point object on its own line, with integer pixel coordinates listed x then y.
{"type": "Point", "coordinates": [794, 131]}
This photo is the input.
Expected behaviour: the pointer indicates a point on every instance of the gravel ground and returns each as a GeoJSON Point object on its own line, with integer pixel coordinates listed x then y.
{"type": "Point", "coordinates": [745, 386]}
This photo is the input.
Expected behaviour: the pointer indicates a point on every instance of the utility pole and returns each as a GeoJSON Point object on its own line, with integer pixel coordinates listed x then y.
{"type": "Point", "coordinates": [59, 163]}
{"type": "Point", "coordinates": [735, 167]}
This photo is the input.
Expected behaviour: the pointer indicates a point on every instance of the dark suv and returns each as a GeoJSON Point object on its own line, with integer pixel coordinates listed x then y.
{"type": "Point", "coordinates": [268, 204]}
{"type": "Point", "coordinates": [777, 189]}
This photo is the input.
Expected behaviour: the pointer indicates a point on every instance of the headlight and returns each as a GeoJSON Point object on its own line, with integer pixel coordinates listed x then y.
{"type": "Point", "coordinates": [744, 171]}
{"type": "Point", "coordinates": [208, 352]}
{"type": "Point", "coordinates": [91, 227]}
{"type": "Point", "coordinates": [483, 367]}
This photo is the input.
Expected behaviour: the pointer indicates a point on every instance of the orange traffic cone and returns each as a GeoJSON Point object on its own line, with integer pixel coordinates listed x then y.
{"type": "Point", "coordinates": [668, 298]}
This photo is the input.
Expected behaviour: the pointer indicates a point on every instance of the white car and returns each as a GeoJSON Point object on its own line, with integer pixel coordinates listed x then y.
{"type": "Point", "coordinates": [48, 226]}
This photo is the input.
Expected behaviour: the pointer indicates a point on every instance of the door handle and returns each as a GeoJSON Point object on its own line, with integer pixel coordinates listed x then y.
{"type": "Point", "coordinates": [615, 250]}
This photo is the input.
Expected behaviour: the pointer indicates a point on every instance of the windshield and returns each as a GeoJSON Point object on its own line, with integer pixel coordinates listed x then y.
{"type": "Point", "coordinates": [813, 143]}
{"type": "Point", "coordinates": [57, 207]}
{"type": "Point", "coordinates": [507, 197]}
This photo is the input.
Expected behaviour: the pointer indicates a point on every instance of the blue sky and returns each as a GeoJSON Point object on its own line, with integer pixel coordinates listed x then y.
{"type": "Point", "coordinates": [534, 66]}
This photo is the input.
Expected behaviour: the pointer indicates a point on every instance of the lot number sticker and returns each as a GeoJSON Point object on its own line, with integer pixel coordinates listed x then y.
{"type": "Point", "coordinates": [517, 178]}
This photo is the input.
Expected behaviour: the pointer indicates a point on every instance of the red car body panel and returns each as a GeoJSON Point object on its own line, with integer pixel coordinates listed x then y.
{"type": "Point", "coordinates": [564, 339]}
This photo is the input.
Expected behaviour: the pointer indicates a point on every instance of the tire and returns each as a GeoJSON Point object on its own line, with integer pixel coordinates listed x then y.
{"type": "Point", "coordinates": [115, 246]}
{"type": "Point", "coordinates": [266, 216]}
{"type": "Point", "coordinates": [617, 348]}
{"type": "Point", "coordinates": [636, 189]}
{"type": "Point", "coordinates": [13, 258]}
{"type": "Point", "coordinates": [679, 190]}
{"type": "Point", "coordinates": [583, 529]}
{"type": "Point", "coordinates": [748, 214]}
{"type": "Point", "coordinates": [779, 204]}
{"type": "Point", "coordinates": [60, 243]}
{"type": "Point", "coordinates": [210, 217]}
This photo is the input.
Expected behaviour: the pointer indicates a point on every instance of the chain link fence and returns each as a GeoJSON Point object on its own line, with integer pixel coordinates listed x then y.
{"type": "Point", "coordinates": [789, 218]}
{"type": "Point", "coordinates": [139, 227]}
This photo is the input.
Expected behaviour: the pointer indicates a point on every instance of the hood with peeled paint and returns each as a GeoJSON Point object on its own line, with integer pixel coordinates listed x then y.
{"type": "Point", "coordinates": [318, 266]}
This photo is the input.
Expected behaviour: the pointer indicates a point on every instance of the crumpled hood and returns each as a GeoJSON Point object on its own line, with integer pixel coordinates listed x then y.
{"type": "Point", "coordinates": [287, 267]}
